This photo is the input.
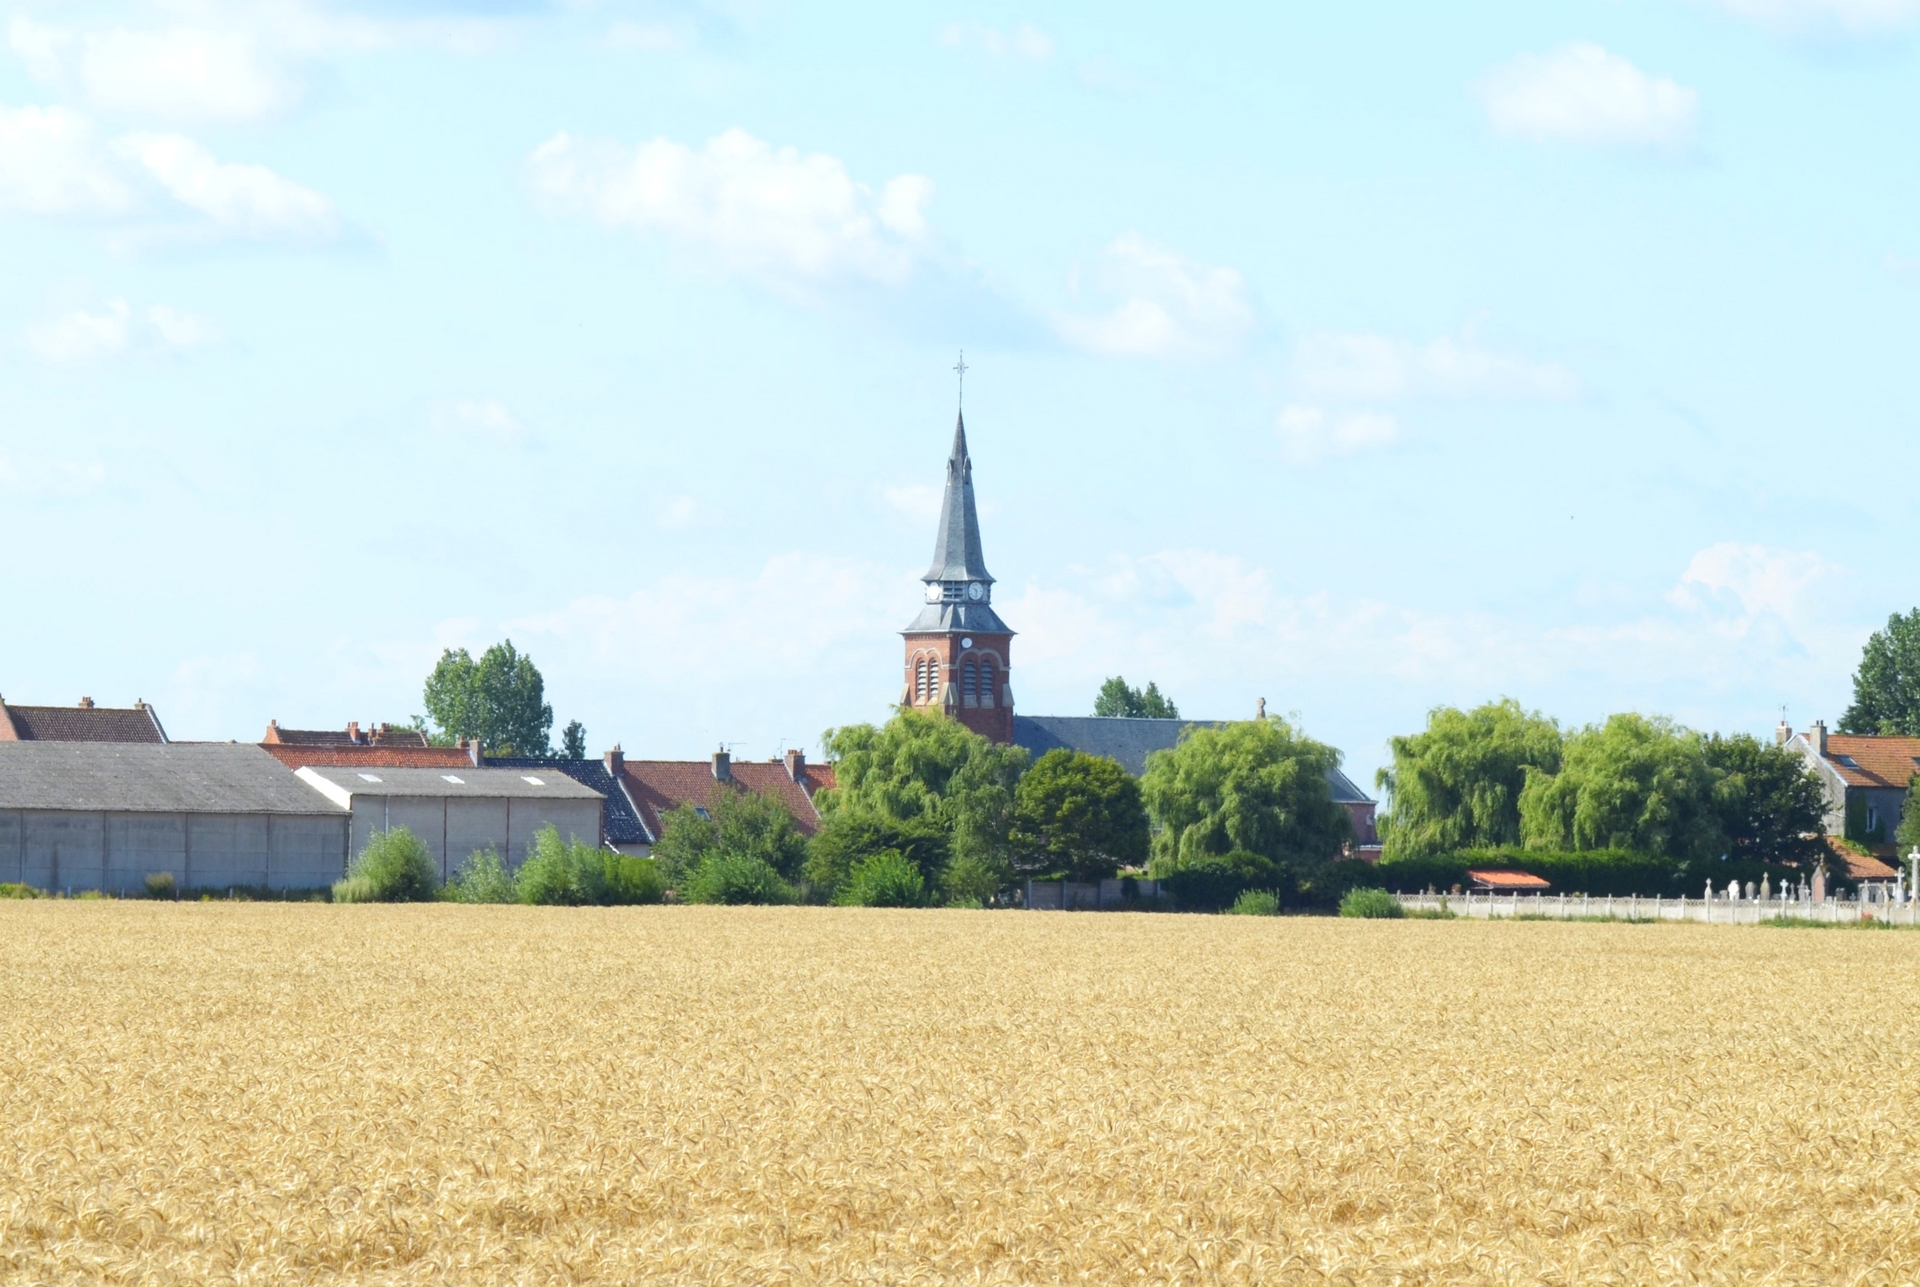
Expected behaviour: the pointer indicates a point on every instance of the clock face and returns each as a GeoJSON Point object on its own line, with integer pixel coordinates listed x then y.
{"type": "Point", "coordinates": [976, 592]}
{"type": "Point", "coordinates": [933, 594]}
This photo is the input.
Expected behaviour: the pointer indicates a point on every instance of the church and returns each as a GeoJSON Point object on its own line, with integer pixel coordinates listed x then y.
{"type": "Point", "coordinates": [959, 661]}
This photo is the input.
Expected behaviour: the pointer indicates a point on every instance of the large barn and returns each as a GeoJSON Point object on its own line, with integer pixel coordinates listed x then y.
{"type": "Point", "coordinates": [77, 816]}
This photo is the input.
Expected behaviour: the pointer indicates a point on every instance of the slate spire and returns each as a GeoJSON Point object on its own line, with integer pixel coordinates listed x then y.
{"type": "Point", "coordinates": [956, 546]}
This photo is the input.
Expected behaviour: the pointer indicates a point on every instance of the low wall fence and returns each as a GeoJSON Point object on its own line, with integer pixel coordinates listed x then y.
{"type": "Point", "coordinates": [1087, 896]}
{"type": "Point", "coordinates": [1634, 907]}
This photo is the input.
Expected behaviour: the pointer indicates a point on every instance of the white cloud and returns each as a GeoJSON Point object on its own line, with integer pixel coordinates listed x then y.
{"type": "Point", "coordinates": [756, 208]}
{"type": "Point", "coordinates": [182, 75]}
{"type": "Point", "coordinates": [486, 418]}
{"type": "Point", "coordinates": [240, 200]}
{"type": "Point", "coordinates": [1377, 368]}
{"type": "Point", "coordinates": [1170, 307]}
{"type": "Point", "coordinates": [1580, 93]}
{"type": "Point", "coordinates": [1024, 41]}
{"type": "Point", "coordinates": [116, 327]}
{"type": "Point", "coordinates": [1758, 579]}
{"type": "Point", "coordinates": [51, 163]}
{"type": "Point", "coordinates": [1863, 17]}
{"type": "Point", "coordinates": [1310, 434]}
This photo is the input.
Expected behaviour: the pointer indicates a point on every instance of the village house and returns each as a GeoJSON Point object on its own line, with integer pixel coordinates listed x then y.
{"type": "Point", "coordinates": [1865, 780]}
{"type": "Point", "coordinates": [83, 723]}
{"type": "Point", "coordinates": [378, 746]}
{"type": "Point", "coordinates": [656, 787]}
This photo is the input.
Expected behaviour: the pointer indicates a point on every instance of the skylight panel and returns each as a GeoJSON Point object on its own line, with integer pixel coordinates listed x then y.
{"type": "Point", "coordinates": [369, 777]}
{"type": "Point", "coordinates": [535, 781]}
{"type": "Point", "coordinates": [457, 781]}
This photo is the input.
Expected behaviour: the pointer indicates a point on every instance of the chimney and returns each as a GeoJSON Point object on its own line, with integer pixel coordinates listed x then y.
{"type": "Point", "coordinates": [86, 703]}
{"type": "Point", "coordinates": [273, 731]}
{"type": "Point", "coordinates": [722, 766]}
{"type": "Point", "coordinates": [1783, 734]}
{"type": "Point", "coordinates": [1818, 736]}
{"type": "Point", "coordinates": [615, 760]}
{"type": "Point", "coordinates": [796, 764]}
{"type": "Point", "coordinates": [473, 752]}
{"type": "Point", "coordinates": [138, 704]}
{"type": "Point", "coordinates": [353, 731]}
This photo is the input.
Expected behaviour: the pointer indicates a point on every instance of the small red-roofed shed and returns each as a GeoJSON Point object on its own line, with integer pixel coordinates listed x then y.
{"type": "Point", "coordinates": [1508, 882]}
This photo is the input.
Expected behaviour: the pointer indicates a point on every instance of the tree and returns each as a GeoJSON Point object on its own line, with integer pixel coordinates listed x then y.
{"type": "Point", "coordinates": [1908, 836]}
{"type": "Point", "coordinates": [1771, 806]}
{"type": "Point", "coordinates": [1117, 697]}
{"type": "Point", "coordinates": [1077, 817]}
{"type": "Point", "coordinates": [737, 825]}
{"type": "Point", "coordinates": [1636, 783]}
{"type": "Point", "coordinates": [1886, 688]}
{"type": "Point", "coordinates": [1258, 786]}
{"type": "Point", "coordinates": [1457, 785]}
{"type": "Point", "coordinates": [921, 767]}
{"type": "Point", "coordinates": [499, 699]}
{"type": "Point", "coordinates": [849, 835]}
{"type": "Point", "coordinates": [573, 741]}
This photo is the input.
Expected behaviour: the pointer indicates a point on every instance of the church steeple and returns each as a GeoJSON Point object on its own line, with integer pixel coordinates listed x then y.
{"type": "Point", "coordinates": [956, 545]}
{"type": "Point", "coordinates": [958, 649]}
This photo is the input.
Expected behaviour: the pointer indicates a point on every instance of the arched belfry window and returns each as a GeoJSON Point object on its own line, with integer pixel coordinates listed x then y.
{"type": "Point", "coordinates": [988, 692]}
{"type": "Point", "coordinates": [924, 681]}
{"type": "Point", "coordinates": [970, 685]}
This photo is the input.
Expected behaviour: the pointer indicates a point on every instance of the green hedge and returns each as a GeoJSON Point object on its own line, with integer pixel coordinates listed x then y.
{"type": "Point", "coordinates": [1596, 872]}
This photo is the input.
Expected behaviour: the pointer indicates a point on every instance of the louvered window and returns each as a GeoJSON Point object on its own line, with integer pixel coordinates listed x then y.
{"type": "Point", "coordinates": [987, 689]}
{"type": "Point", "coordinates": [920, 694]}
{"type": "Point", "coordinates": [970, 687]}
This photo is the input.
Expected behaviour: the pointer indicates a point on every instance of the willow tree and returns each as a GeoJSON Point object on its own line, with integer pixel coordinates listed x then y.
{"type": "Point", "coordinates": [1457, 785]}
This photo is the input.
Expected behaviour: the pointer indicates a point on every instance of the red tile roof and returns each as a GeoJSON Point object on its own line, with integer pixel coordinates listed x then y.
{"type": "Point", "coordinates": [1874, 761]}
{"type": "Point", "coordinates": [1507, 880]}
{"type": "Point", "coordinates": [1858, 866]}
{"type": "Point", "coordinates": [80, 724]}
{"type": "Point", "coordinates": [379, 757]}
{"type": "Point", "coordinates": [657, 786]}
{"type": "Point", "coordinates": [351, 735]}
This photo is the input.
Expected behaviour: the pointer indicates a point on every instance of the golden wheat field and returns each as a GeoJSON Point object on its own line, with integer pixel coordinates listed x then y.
{"type": "Point", "coordinates": [271, 1093]}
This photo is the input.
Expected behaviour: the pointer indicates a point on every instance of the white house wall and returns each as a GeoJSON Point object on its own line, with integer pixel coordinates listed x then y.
{"type": "Point", "coordinates": [67, 850]}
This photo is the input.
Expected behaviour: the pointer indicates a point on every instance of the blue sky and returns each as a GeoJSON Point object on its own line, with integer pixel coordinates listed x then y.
{"type": "Point", "coordinates": [1360, 357]}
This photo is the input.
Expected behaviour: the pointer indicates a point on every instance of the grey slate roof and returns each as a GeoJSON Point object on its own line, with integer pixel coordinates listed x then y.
{"type": "Point", "coordinates": [1130, 741]}
{"type": "Point", "coordinates": [620, 820]}
{"type": "Point", "coordinates": [462, 783]}
{"type": "Point", "coordinates": [956, 546]}
{"type": "Point", "coordinates": [177, 777]}
{"type": "Point", "coordinates": [958, 618]}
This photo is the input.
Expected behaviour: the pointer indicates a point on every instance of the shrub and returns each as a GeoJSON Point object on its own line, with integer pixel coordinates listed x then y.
{"type": "Point", "coordinates": [395, 867]}
{"type": "Point", "coordinates": [736, 879]}
{"type": "Point", "coordinates": [1212, 882]}
{"type": "Point", "coordinates": [21, 891]}
{"type": "Point", "coordinates": [885, 879]}
{"type": "Point", "coordinates": [1256, 902]}
{"type": "Point", "coordinates": [631, 881]}
{"type": "Point", "coordinates": [483, 878]}
{"type": "Point", "coordinates": [159, 884]}
{"type": "Point", "coordinates": [1371, 904]}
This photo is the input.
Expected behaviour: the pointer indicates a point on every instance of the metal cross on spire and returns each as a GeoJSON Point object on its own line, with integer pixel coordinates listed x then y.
{"type": "Point", "coordinates": [960, 369]}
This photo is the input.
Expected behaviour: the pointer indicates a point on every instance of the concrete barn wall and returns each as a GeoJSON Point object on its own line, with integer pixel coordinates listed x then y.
{"type": "Point", "coordinates": [61, 850]}
{"type": "Point", "coordinates": [456, 827]}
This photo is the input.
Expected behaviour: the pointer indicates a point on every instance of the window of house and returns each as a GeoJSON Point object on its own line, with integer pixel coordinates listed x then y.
{"type": "Point", "coordinates": [703, 815]}
{"type": "Point", "coordinates": [1873, 817]}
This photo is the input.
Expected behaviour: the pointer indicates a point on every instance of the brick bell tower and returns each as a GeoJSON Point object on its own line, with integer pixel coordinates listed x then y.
{"type": "Point", "coordinates": [958, 649]}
